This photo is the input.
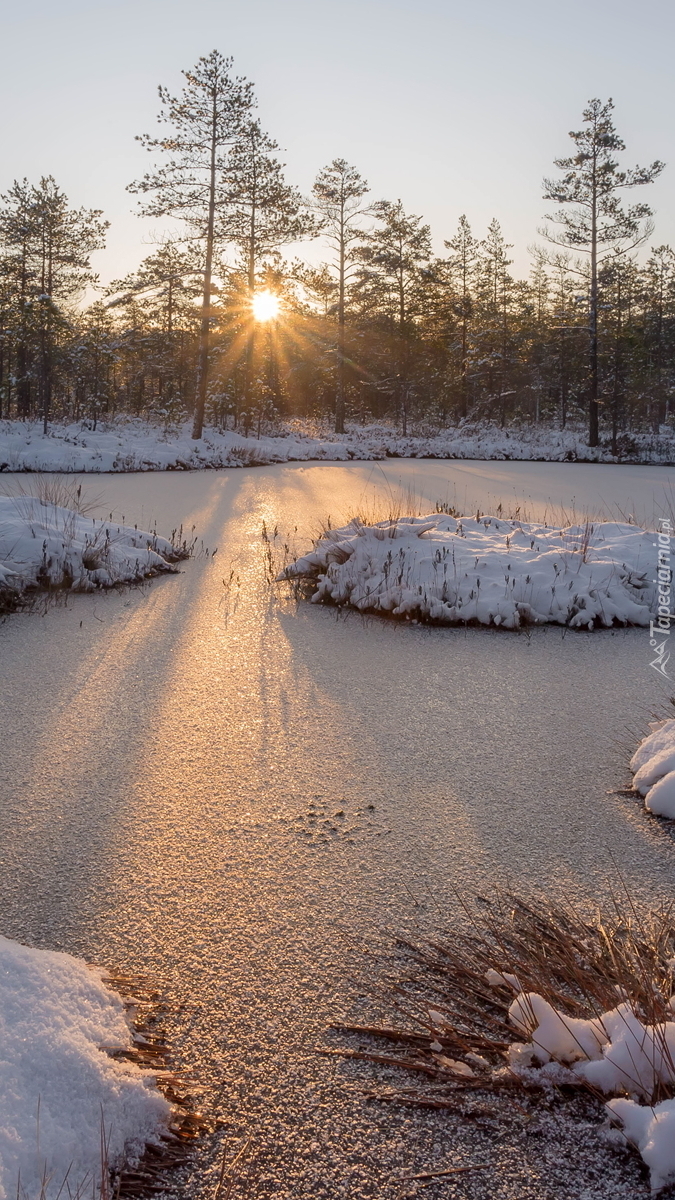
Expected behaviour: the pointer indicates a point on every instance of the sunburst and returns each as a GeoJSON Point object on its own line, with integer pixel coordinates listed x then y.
{"type": "Point", "coordinates": [265, 306]}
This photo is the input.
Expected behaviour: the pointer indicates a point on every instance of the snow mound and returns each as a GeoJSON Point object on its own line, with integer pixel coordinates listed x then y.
{"type": "Point", "coordinates": [615, 1053]}
{"type": "Point", "coordinates": [554, 1036]}
{"type": "Point", "coordinates": [653, 765]}
{"type": "Point", "coordinates": [43, 545]}
{"type": "Point", "coordinates": [137, 445]}
{"type": "Point", "coordinates": [486, 570]}
{"type": "Point", "coordinates": [55, 1014]}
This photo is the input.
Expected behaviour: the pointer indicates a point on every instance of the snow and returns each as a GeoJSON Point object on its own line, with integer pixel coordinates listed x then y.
{"type": "Point", "coordinates": [487, 571]}
{"type": "Point", "coordinates": [46, 545]}
{"type": "Point", "coordinates": [616, 1053]}
{"type": "Point", "coordinates": [635, 1057]}
{"type": "Point", "coordinates": [565, 1039]}
{"type": "Point", "coordinates": [136, 445]}
{"type": "Point", "coordinates": [652, 1131]}
{"type": "Point", "coordinates": [502, 979]}
{"type": "Point", "coordinates": [653, 765]}
{"type": "Point", "coordinates": [55, 1015]}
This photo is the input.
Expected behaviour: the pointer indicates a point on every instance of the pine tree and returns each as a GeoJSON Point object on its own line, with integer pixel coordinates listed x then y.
{"type": "Point", "coordinates": [49, 246]}
{"type": "Point", "coordinates": [395, 265]}
{"type": "Point", "coordinates": [92, 360]}
{"type": "Point", "coordinates": [338, 193]}
{"type": "Point", "coordinates": [496, 292]}
{"type": "Point", "coordinates": [164, 290]}
{"type": "Point", "coordinates": [659, 330]}
{"type": "Point", "coordinates": [320, 284]}
{"type": "Point", "coordinates": [597, 223]}
{"type": "Point", "coordinates": [564, 317]}
{"type": "Point", "coordinates": [618, 282]}
{"type": "Point", "coordinates": [65, 238]}
{"type": "Point", "coordinates": [17, 235]}
{"type": "Point", "coordinates": [462, 266]}
{"type": "Point", "coordinates": [204, 122]}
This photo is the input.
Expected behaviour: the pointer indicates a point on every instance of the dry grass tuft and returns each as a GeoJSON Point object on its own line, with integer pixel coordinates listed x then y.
{"type": "Point", "coordinates": [450, 1025]}
{"type": "Point", "coordinates": [150, 1051]}
{"type": "Point", "coordinates": [59, 491]}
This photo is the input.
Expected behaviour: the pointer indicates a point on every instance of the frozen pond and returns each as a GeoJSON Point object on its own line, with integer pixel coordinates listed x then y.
{"type": "Point", "coordinates": [241, 796]}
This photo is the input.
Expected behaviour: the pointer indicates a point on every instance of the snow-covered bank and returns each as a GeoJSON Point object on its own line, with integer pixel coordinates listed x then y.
{"type": "Point", "coordinates": [135, 445]}
{"type": "Point", "coordinates": [486, 570]}
{"type": "Point", "coordinates": [653, 766]}
{"type": "Point", "coordinates": [46, 546]}
{"type": "Point", "coordinates": [57, 1084]}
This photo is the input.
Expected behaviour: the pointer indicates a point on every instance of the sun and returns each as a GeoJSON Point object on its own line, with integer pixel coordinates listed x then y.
{"type": "Point", "coordinates": [265, 306]}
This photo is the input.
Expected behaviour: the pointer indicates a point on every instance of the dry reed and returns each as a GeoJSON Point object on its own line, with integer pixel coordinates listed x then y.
{"type": "Point", "coordinates": [449, 1024]}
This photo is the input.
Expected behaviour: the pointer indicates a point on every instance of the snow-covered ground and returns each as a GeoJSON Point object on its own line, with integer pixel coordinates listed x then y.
{"type": "Point", "coordinates": [486, 570]}
{"type": "Point", "coordinates": [45, 545]}
{"type": "Point", "coordinates": [58, 1088]}
{"type": "Point", "coordinates": [618, 1054]}
{"type": "Point", "coordinates": [653, 767]}
{"type": "Point", "coordinates": [135, 445]}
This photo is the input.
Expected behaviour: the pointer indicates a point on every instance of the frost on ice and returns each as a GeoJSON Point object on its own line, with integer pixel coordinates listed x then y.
{"type": "Point", "coordinates": [653, 765]}
{"type": "Point", "coordinates": [55, 1014]}
{"type": "Point", "coordinates": [486, 570]}
{"type": "Point", "coordinates": [43, 545]}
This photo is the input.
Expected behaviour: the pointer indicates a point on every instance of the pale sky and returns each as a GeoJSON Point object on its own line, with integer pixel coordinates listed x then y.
{"type": "Point", "coordinates": [448, 106]}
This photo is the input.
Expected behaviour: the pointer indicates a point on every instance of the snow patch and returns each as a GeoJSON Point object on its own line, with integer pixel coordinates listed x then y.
{"type": "Point", "coordinates": [652, 1131]}
{"type": "Point", "coordinates": [653, 765]}
{"type": "Point", "coordinates": [486, 570]}
{"type": "Point", "coordinates": [137, 445]}
{"type": "Point", "coordinates": [55, 1014]}
{"type": "Point", "coordinates": [43, 545]}
{"type": "Point", "coordinates": [616, 1053]}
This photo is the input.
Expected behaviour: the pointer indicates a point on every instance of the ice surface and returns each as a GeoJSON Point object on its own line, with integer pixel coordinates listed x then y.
{"type": "Point", "coordinates": [55, 1014]}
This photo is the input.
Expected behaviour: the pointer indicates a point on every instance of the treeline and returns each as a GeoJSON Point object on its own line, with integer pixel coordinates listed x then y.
{"type": "Point", "coordinates": [218, 325]}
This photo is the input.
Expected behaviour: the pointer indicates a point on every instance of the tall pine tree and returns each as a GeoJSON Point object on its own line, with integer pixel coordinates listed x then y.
{"type": "Point", "coordinates": [338, 194]}
{"type": "Point", "coordinates": [193, 185]}
{"type": "Point", "coordinates": [591, 218]}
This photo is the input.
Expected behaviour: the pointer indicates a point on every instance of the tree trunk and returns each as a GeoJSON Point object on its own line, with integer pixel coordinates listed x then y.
{"type": "Point", "coordinates": [205, 327]}
{"type": "Point", "coordinates": [340, 391]}
{"type": "Point", "coordinates": [45, 374]}
{"type": "Point", "coordinates": [593, 424]}
{"type": "Point", "coordinates": [251, 348]}
{"type": "Point", "coordinates": [22, 382]}
{"type": "Point", "coordinates": [464, 411]}
{"type": "Point", "coordinates": [616, 387]}
{"type": "Point", "coordinates": [659, 412]}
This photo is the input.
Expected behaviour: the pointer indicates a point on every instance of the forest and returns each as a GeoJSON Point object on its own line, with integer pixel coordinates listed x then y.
{"type": "Point", "coordinates": [225, 321]}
